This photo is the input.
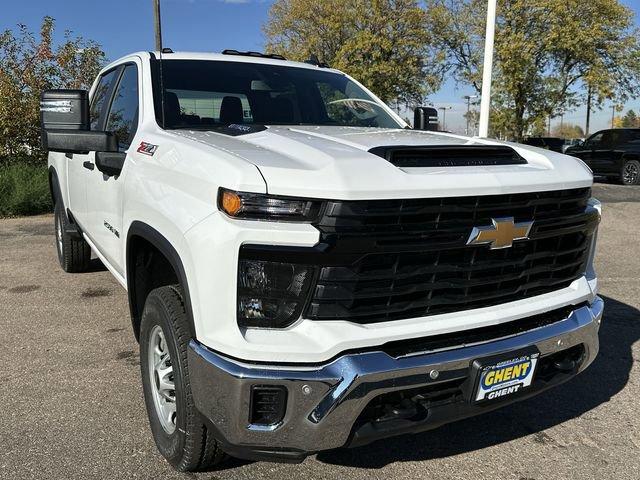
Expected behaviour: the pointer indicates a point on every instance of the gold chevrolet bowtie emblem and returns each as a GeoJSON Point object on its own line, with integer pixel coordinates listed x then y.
{"type": "Point", "coordinates": [501, 234]}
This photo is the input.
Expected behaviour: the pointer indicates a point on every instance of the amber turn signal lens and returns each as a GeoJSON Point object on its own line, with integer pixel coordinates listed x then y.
{"type": "Point", "coordinates": [231, 203]}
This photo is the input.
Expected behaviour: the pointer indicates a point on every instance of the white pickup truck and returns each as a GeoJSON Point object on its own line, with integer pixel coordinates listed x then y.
{"type": "Point", "coordinates": [304, 270]}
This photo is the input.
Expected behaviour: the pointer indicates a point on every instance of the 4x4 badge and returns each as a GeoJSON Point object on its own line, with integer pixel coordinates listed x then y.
{"type": "Point", "coordinates": [147, 148]}
{"type": "Point", "coordinates": [501, 234]}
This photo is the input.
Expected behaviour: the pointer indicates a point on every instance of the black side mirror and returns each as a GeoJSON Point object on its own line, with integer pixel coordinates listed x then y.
{"type": "Point", "coordinates": [64, 110]}
{"type": "Point", "coordinates": [425, 118]}
{"type": "Point", "coordinates": [64, 117]}
{"type": "Point", "coordinates": [69, 141]}
{"type": "Point", "coordinates": [110, 163]}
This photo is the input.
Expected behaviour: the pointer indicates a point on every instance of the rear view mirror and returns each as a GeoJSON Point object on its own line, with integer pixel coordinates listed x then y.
{"type": "Point", "coordinates": [64, 117]}
{"type": "Point", "coordinates": [425, 118]}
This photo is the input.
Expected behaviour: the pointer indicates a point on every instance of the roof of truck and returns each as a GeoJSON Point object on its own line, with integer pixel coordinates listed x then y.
{"type": "Point", "coordinates": [223, 57]}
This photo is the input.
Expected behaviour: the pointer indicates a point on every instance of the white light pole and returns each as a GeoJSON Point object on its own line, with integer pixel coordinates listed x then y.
{"type": "Point", "coordinates": [485, 101]}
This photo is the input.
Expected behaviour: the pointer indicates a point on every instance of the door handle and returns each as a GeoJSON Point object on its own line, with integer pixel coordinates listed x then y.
{"type": "Point", "coordinates": [88, 165]}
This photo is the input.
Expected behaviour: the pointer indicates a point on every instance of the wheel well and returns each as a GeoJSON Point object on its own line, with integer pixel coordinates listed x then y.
{"type": "Point", "coordinates": [149, 270]}
{"type": "Point", "coordinates": [54, 186]}
{"type": "Point", "coordinates": [151, 263]}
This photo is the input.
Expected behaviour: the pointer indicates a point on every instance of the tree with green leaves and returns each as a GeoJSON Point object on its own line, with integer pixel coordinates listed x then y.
{"type": "Point", "coordinates": [568, 130]}
{"type": "Point", "coordinates": [630, 120]}
{"type": "Point", "coordinates": [547, 55]}
{"type": "Point", "coordinates": [29, 64]}
{"type": "Point", "coordinates": [382, 43]}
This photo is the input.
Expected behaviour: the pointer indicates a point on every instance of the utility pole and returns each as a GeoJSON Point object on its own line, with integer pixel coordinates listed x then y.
{"type": "Point", "coordinates": [444, 117]}
{"type": "Point", "coordinates": [158, 24]}
{"type": "Point", "coordinates": [485, 104]}
{"type": "Point", "coordinates": [468, 99]}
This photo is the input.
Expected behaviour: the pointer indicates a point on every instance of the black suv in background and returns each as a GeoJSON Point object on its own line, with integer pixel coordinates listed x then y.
{"type": "Point", "coordinates": [613, 153]}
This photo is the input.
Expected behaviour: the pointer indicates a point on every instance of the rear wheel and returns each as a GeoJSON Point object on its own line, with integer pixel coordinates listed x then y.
{"type": "Point", "coordinates": [74, 253]}
{"type": "Point", "coordinates": [178, 430]}
{"type": "Point", "coordinates": [630, 174]}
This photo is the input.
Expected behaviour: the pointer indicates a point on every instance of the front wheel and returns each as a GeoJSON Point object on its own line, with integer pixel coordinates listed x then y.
{"type": "Point", "coordinates": [630, 174]}
{"type": "Point", "coordinates": [74, 253]}
{"type": "Point", "coordinates": [178, 430]}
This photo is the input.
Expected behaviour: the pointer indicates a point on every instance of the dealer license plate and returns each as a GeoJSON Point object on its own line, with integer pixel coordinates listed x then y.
{"type": "Point", "coordinates": [504, 378]}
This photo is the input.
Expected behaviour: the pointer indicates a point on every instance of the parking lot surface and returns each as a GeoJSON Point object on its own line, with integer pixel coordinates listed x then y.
{"type": "Point", "coordinates": [72, 405]}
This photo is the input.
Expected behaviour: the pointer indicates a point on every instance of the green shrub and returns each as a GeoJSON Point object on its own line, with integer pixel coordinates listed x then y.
{"type": "Point", "coordinates": [24, 189]}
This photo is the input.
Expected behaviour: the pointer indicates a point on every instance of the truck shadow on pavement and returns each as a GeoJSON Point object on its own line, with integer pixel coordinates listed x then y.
{"type": "Point", "coordinates": [607, 376]}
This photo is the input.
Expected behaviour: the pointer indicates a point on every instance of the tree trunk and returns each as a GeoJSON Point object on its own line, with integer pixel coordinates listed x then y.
{"type": "Point", "coordinates": [586, 130]}
{"type": "Point", "coordinates": [518, 127]}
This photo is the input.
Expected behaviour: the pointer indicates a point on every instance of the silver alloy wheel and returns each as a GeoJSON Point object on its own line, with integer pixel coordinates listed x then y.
{"type": "Point", "coordinates": [162, 383]}
{"type": "Point", "coordinates": [630, 173]}
{"type": "Point", "coordinates": [59, 234]}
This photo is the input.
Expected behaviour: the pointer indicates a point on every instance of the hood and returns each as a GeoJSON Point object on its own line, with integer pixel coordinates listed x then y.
{"type": "Point", "coordinates": [335, 163]}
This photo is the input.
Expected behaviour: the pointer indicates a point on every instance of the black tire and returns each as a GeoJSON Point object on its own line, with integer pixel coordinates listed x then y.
{"type": "Point", "coordinates": [74, 253]}
{"type": "Point", "coordinates": [630, 174]}
{"type": "Point", "coordinates": [191, 446]}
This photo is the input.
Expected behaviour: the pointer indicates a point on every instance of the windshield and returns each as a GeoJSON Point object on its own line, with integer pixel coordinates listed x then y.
{"type": "Point", "coordinates": [203, 94]}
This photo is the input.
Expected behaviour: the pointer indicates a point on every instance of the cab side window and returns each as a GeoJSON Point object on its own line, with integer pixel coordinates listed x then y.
{"type": "Point", "coordinates": [619, 137]}
{"type": "Point", "coordinates": [594, 141]}
{"type": "Point", "coordinates": [123, 115]}
{"type": "Point", "coordinates": [99, 99]}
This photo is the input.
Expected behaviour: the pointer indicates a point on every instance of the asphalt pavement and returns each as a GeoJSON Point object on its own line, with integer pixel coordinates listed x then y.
{"type": "Point", "coordinates": [72, 406]}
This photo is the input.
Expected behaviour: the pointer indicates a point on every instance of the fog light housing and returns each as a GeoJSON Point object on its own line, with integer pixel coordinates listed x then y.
{"type": "Point", "coordinates": [271, 294]}
{"type": "Point", "coordinates": [268, 404]}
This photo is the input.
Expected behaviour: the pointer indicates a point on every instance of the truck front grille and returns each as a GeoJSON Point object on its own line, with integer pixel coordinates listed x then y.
{"type": "Point", "coordinates": [392, 259]}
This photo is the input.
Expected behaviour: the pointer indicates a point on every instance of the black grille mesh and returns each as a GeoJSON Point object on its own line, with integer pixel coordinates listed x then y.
{"type": "Point", "coordinates": [407, 258]}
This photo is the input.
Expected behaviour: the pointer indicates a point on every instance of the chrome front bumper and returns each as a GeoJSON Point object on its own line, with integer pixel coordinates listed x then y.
{"type": "Point", "coordinates": [325, 401]}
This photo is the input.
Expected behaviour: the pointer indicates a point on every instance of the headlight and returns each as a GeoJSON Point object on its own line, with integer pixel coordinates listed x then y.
{"type": "Point", "coordinates": [259, 206]}
{"type": "Point", "coordinates": [271, 294]}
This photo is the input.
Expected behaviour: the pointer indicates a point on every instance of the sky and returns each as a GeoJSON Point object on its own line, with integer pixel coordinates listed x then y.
{"type": "Point", "coordinates": [212, 25]}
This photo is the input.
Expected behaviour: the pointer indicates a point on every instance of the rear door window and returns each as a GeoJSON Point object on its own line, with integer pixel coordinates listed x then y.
{"type": "Point", "coordinates": [100, 97]}
{"type": "Point", "coordinates": [633, 137]}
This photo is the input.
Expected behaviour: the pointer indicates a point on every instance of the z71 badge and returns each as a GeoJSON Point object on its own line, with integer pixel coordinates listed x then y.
{"type": "Point", "coordinates": [147, 148]}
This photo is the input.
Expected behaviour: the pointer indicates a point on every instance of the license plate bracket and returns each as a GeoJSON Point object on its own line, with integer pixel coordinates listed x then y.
{"type": "Point", "coordinates": [503, 376]}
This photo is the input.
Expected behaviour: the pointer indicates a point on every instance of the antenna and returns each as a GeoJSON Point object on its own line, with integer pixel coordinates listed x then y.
{"type": "Point", "coordinates": [158, 32]}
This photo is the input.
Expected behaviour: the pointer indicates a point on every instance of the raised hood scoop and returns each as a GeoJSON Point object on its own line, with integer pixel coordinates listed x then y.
{"type": "Point", "coordinates": [448, 156]}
